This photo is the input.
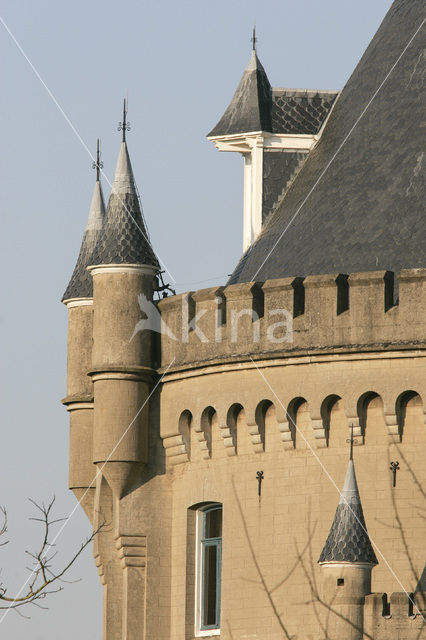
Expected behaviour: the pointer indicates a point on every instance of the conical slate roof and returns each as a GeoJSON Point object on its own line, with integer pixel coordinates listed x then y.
{"type": "Point", "coordinates": [81, 283]}
{"type": "Point", "coordinates": [348, 540]}
{"type": "Point", "coordinates": [357, 204]}
{"type": "Point", "coordinates": [250, 108]}
{"type": "Point", "coordinates": [124, 239]}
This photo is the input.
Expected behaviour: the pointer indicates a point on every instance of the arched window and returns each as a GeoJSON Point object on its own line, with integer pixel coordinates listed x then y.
{"type": "Point", "coordinates": [209, 567]}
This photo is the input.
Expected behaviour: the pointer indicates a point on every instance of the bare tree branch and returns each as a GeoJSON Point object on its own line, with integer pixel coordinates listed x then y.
{"type": "Point", "coordinates": [258, 569]}
{"type": "Point", "coordinates": [42, 574]}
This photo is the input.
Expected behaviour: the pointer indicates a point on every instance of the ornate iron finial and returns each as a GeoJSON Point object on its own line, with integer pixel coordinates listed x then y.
{"type": "Point", "coordinates": [352, 440]}
{"type": "Point", "coordinates": [98, 165]}
{"type": "Point", "coordinates": [253, 38]}
{"type": "Point", "coordinates": [124, 125]}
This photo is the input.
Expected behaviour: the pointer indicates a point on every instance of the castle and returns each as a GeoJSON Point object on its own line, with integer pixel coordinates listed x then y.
{"type": "Point", "coordinates": [257, 449]}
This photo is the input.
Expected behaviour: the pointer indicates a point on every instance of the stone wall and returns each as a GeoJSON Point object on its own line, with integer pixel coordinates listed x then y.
{"type": "Point", "coordinates": [232, 408]}
{"type": "Point", "coordinates": [324, 313]}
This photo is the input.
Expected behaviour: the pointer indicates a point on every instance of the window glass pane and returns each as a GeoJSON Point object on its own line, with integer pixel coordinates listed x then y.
{"type": "Point", "coordinates": [213, 523]}
{"type": "Point", "coordinates": [210, 585]}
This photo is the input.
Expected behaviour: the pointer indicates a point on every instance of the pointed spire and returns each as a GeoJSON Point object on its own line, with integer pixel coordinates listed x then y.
{"type": "Point", "coordinates": [348, 540]}
{"type": "Point", "coordinates": [81, 283]}
{"type": "Point", "coordinates": [250, 107]}
{"type": "Point", "coordinates": [124, 239]}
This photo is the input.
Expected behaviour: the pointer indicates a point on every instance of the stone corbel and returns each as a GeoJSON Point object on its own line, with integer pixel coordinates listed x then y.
{"type": "Point", "coordinates": [286, 435]}
{"type": "Point", "coordinates": [99, 541]}
{"type": "Point", "coordinates": [131, 551]}
{"type": "Point", "coordinates": [229, 438]}
{"type": "Point", "coordinates": [255, 436]}
{"type": "Point", "coordinates": [203, 440]}
{"type": "Point", "coordinates": [392, 425]}
{"type": "Point", "coordinates": [100, 566]}
{"type": "Point", "coordinates": [132, 554]}
{"type": "Point", "coordinates": [320, 434]}
{"type": "Point", "coordinates": [176, 449]}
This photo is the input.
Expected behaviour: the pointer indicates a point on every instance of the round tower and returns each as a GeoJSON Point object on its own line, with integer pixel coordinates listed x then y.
{"type": "Point", "coordinates": [78, 298]}
{"type": "Point", "coordinates": [347, 560]}
{"type": "Point", "coordinates": [124, 269]}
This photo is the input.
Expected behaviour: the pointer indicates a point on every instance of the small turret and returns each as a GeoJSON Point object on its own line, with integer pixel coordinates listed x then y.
{"type": "Point", "coordinates": [124, 239]}
{"type": "Point", "coordinates": [78, 298]}
{"type": "Point", "coordinates": [81, 286]}
{"type": "Point", "coordinates": [347, 560]}
{"type": "Point", "coordinates": [124, 268]}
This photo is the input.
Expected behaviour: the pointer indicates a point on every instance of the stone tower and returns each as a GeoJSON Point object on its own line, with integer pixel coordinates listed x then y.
{"type": "Point", "coordinates": [111, 370]}
{"type": "Point", "coordinates": [78, 299]}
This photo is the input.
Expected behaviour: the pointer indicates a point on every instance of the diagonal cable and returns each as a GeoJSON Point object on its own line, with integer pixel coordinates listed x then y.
{"type": "Point", "coordinates": [340, 147]}
{"type": "Point", "coordinates": [69, 122]}
{"type": "Point", "coordinates": [333, 482]}
{"type": "Point", "coordinates": [98, 471]}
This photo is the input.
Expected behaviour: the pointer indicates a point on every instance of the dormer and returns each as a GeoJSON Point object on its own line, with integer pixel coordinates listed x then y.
{"type": "Point", "coordinates": [274, 130]}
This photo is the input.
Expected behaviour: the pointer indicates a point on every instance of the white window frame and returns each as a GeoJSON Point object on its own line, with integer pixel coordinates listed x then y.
{"type": "Point", "coordinates": [199, 632]}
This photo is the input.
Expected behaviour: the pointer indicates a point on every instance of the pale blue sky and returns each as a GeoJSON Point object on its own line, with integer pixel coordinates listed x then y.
{"type": "Point", "coordinates": [180, 63]}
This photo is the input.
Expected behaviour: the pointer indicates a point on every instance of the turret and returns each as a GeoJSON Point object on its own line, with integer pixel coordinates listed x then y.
{"type": "Point", "coordinates": [124, 269]}
{"type": "Point", "coordinates": [347, 560]}
{"type": "Point", "coordinates": [78, 298]}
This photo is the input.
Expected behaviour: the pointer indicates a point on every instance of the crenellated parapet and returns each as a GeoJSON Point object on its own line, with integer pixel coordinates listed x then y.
{"type": "Point", "coordinates": [316, 314]}
{"type": "Point", "coordinates": [400, 618]}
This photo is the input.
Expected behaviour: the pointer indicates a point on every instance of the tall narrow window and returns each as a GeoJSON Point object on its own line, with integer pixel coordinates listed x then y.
{"type": "Point", "coordinates": [209, 567]}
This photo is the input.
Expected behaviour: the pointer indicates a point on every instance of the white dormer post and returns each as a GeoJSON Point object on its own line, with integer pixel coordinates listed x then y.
{"type": "Point", "coordinates": [247, 199]}
{"type": "Point", "coordinates": [251, 147]}
{"type": "Point", "coordinates": [253, 186]}
{"type": "Point", "coordinates": [257, 189]}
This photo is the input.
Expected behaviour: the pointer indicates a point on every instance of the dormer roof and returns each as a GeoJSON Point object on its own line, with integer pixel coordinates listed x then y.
{"type": "Point", "coordinates": [250, 107]}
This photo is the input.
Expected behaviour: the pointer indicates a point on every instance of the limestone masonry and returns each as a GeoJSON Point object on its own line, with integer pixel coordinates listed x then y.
{"type": "Point", "coordinates": [258, 449]}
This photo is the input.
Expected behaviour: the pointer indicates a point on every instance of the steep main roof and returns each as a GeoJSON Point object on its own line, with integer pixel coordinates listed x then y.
{"type": "Point", "coordinates": [360, 206]}
{"type": "Point", "coordinates": [348, 540]}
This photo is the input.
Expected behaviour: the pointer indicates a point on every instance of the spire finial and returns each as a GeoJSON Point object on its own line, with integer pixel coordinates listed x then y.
{"type": "Point", "coordinates": [253, 38]}
{"type": "Point", "coordinates": [124, 125]}
{"type": "Point", "coordinates": [98, 165]}
{"type": "Point", "coordinates": [351, 440]}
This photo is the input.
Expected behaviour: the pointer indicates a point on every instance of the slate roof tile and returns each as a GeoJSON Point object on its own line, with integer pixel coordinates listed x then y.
{"type": "Point", "coordinates": [348, 540]}
{"type": "Point", "coordinates": [81, 283]}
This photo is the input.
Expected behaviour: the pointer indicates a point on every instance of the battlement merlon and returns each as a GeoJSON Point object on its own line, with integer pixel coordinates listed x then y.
{"type": "Point", "coordinates": [292, 316]}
